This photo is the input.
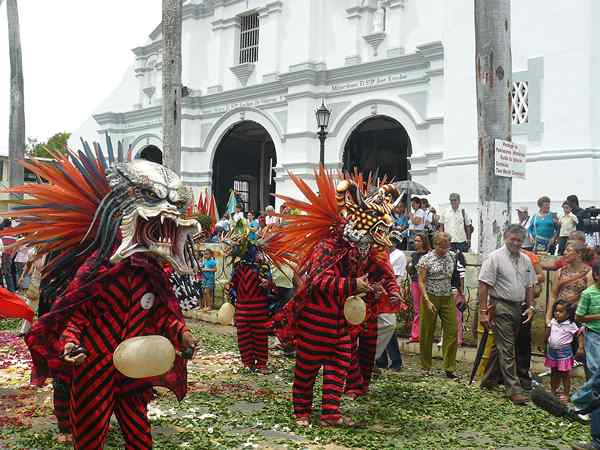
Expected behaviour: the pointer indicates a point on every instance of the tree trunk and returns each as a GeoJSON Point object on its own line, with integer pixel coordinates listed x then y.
{"type": "Point", "coordinates": [16, 132]}
{"type": "Point", "coordinates": [494, 85]}
{"type": "Point", "coordinates": [171, 89]}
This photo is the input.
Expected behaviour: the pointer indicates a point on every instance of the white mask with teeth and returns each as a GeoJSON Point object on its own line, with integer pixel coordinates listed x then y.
{"type": "Point", "coordinates": [152, 221]}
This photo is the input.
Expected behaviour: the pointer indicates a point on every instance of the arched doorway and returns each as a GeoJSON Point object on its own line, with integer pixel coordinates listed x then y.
{"type": "Point", "coordinates": [151, 153]}
{"type": "Point", "coordinates": [380, 143]}
{"type": "Point", "coordinates": [245, 160]}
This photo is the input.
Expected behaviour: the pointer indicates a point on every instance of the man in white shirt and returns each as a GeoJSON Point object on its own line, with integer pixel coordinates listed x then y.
{"type": "Point", "coordinates": [457, 224]}
{"type": "Point", "coordinates": [238, 214]}
{"type": "Point", "coordinates": [270, 217]}
{"type": "Point", "coordinates": [387, 341]}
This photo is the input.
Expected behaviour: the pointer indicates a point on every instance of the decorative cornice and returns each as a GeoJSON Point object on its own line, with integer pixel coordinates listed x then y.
{"type": "Point", "coordinates": [431, 51]}
{"type": "Point", "coordinates": [374, 39]}
{"type": "Point", "coordinates": [147, 50]}
{"type": "Point", "coordinates": [217, 89]}
{"type": "Point", "coordinates": [396, 4]}
{"type": "Point", "coordinates": [223, 24]}
{"type": "Point", "coordinates": [351, 60]}
{"type": "Point", "coordinates": [243, 72]}
{"type": "Point", "coordinates": [270, 8]}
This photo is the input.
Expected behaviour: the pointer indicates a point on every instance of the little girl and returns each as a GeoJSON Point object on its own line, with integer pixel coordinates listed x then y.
{"type": "Point", "coordinates": [559, 352]}
{"type": "Point", "coordinates": [208, 279]}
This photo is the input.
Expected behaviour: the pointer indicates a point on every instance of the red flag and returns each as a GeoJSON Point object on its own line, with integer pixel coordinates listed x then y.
{"type": "Point", "coordinates": [13, 306]}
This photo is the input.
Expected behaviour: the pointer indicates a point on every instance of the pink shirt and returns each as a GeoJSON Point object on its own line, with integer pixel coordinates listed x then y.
{"type": "Point", "coordinates": [561, 333]}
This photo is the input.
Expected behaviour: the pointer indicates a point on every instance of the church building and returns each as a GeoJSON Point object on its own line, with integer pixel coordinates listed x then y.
{"type": "Point", "coordinates": [399, 79]}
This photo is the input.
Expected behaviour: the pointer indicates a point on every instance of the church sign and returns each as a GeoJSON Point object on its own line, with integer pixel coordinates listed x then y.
{"type": "Point", "coordinates": [510, 159]}
{"type": "Point", "coordinates": [367, 83]}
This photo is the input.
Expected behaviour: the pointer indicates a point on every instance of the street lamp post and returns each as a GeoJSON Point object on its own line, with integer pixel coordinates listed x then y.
{"type": "Point", "coordinates": [323, 114]}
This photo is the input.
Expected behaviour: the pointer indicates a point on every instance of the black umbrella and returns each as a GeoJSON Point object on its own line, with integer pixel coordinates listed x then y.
{"type": "Point", "coordinates": [411, 187]}
{"type": "Point", "coordinates": [479, 354]}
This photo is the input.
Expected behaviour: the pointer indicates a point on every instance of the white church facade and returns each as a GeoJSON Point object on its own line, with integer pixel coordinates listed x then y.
{"type": "Point", "coordinates": [399, 78]}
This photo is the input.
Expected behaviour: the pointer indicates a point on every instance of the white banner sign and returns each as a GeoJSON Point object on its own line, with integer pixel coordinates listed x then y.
{"type": "Point", "coordinates": [510, 159]}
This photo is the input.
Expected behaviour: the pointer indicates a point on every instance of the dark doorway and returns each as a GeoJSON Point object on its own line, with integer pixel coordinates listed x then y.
{"type": "Point", "coordinates": [151, 153]}
{"type": "Point", "coordinates": [245, 160]}
{"type": "Point", "coordinates": [379, 143]}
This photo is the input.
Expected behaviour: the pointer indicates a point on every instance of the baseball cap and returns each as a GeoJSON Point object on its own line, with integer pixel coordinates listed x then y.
{"type": "Point", "coordinates": [454, 196]}
{"type": "Point", "coordinates": [523, 209]}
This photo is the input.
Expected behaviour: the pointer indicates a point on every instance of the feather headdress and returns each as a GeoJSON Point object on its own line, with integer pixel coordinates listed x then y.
{"type": "Point", "coordinates": [71, 213]}
{"type": "Point", "coordinates": [318, 219]}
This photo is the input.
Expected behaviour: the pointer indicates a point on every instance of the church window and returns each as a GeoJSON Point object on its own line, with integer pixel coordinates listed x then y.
{"type": "Point", "coordinates": [249, 38]}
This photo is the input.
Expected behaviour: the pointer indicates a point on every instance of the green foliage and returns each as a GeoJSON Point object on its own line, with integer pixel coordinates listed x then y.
{"type": "Point", "coordinates": [205, 221]}
{"type": "Point", "coordinates": [228, 407]}
{"type": "Point", "coordinates": [57, 143]}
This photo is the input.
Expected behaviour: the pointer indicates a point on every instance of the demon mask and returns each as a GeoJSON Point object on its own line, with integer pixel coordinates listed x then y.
{"type": "Point", "coordinates": [153, 201]}
{"type": "Point", "coordinates": [369, 217]}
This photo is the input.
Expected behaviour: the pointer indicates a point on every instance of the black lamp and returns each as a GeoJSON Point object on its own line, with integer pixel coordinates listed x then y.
{"type": "Point", "coordinates": [323, 114]}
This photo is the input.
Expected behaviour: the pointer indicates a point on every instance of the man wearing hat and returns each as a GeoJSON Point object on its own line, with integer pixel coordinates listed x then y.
{"type": "Point", "coordinates": [524, 221]}
{"type": "Point", "coordinates": [456, 222]}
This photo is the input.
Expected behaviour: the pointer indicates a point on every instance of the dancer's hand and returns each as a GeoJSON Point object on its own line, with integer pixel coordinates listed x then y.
{"type": "Point", "coordinates": [77, 358]}
{"type": "Point", "coordinates": [187, 340]}
{"type": "Point", "coordinates": [362, 284]}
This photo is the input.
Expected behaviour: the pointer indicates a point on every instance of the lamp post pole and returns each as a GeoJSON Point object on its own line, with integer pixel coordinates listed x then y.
{"type": "Point", "coordinates": [322, 136]}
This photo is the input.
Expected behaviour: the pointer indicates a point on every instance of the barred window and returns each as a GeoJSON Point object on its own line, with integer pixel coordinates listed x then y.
{"type": "Point", "coordinates": [242, 187]}
{"type": "Point", "coordinates": [520, 102]}
{"type": "Point", "coordinates": [249, 38]}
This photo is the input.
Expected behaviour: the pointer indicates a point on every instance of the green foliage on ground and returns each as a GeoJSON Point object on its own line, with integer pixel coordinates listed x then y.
{"type": "Point", "coordinates": [228, 407]}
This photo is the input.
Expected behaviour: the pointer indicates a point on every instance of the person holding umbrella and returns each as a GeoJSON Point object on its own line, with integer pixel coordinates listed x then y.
{"type": "Point", "coordinates": [506, 279]}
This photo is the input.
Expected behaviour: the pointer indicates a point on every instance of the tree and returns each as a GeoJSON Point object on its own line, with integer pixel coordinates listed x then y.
{"type": "Point", "coordinates": [494, 85]}
{"type": "Point", "coordinates": [171, 78]}
{"type": "Point", "coordinates": [57, 143]}
{"type": "Point", "coordinates": [16, 127]}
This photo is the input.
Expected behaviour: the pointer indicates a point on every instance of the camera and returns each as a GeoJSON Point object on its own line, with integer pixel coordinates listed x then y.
{"type": "Point", "coordinates": [591, 220]}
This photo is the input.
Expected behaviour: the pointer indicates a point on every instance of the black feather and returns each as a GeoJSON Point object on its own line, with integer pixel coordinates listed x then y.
{"type": "Point", "coordinates": [100, 156]}
{"type": "Point", "coordinates": [109, 148]}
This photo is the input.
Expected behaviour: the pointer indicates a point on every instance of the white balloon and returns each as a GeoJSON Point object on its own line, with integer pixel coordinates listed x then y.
{"type": "Point", "coordinates": [355, 310]}
{"type": "Point", "coordinates": [144, 356]}
{"type": "Point", "coordinates": [225, 314]}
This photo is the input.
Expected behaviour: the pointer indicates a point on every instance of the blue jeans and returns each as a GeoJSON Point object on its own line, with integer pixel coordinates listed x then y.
{"type": "Point", "coordinates": [393, 350]}
{"type": "Point", "coordinates": [589, 393]}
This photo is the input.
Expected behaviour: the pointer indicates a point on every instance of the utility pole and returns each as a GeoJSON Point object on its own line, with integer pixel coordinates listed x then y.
{"type": "Point", "coordinates": [171, 78]}
{"type": "Point", "coordinates": [493, 62]}
{"type": "Point", "coordinates": [16, 126]}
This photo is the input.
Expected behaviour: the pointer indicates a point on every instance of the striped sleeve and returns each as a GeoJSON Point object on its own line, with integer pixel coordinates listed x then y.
{"type": "Point", "coordinates": [334, 286]}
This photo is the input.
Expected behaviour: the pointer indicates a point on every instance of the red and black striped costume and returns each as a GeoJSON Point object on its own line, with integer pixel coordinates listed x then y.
{"type": "Point", "coordinates": [251, 315]}
{"type": "Point", "coordinates": [364, 336]}
{"type": "Point", "coordinates": [98, 315]}
{"type": "Point", "coordinates": [322, 338]}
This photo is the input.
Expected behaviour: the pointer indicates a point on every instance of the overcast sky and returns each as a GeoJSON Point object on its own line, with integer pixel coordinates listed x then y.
{"type": "Point", "coordinates": [75, 53]}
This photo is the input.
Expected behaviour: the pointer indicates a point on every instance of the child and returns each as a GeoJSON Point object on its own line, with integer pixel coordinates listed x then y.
{"type": "Point", "coordinates": [208, 279]}
{"type": "Point", "coordinates": [568, 224]}
{"type": "Point", "coordinates": [559, 352]}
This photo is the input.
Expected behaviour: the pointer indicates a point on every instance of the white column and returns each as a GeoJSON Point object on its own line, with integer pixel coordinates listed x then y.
{"type": "Point", "coordinates": [354, 16]}
{"type": "Point", "coordinates": [395, 29]}
{"type": "Point", "coordinates": [261, 177]}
